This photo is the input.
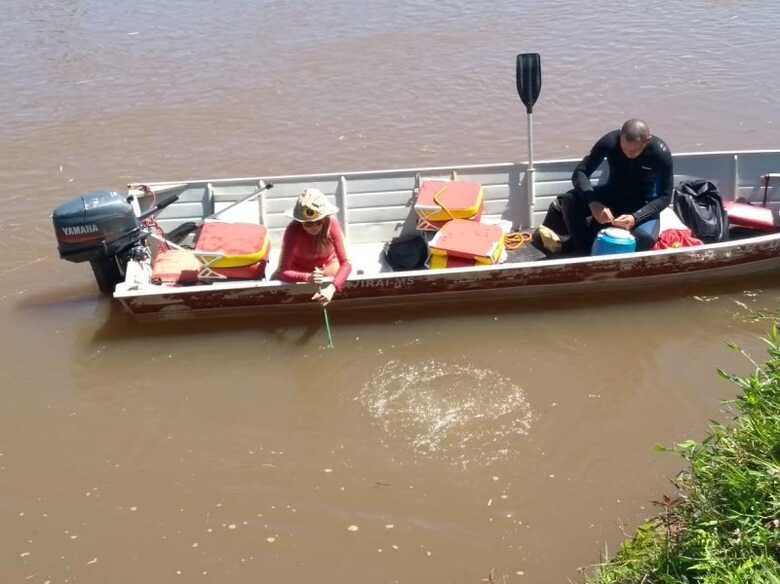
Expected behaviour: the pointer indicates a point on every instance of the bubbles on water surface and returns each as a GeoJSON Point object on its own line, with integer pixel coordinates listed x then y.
{"type": "Point", "coordinates": [453, 411]}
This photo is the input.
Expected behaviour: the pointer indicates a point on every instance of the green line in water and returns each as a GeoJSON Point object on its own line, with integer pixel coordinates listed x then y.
{"type": "Point", "coordinates": [327, 327]}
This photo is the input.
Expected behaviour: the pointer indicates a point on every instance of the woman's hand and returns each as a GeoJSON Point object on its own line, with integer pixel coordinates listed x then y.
{"type": "Point", "coordinates": [624, 221]}
{"type": "Point", "coordinates": [325, 295]}
{"type": "Point", "coordinates": [318, 276]}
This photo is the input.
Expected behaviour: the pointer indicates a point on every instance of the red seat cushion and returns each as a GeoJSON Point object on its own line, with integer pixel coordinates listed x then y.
{"type": "Point", "coordinates": [175, 266]}
{"type": "Point", "coordinates": [751, 216]}
{"type": "Point", "coordinates": [425, 225]}
{"type": "Point", "coordinates": [243, 244]}
{"type": "Point", "coordinates": [450, 261]}
{"type": "Point", "coordinates": [180, 266]}
{"type": "Point", "coordinates": [461, 198]}
{"type": "Point", "coordinates": [468, 239]}
{"type": "Point", "coordinates": [253, 272]}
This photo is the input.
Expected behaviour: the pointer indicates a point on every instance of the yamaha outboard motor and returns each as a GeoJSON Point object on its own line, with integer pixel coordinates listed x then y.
{"type": "Point", "coordinates": [100, 228]}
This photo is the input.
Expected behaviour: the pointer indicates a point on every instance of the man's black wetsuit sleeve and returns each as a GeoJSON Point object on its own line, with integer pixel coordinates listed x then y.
{"type": "Point", "coordinates": [665, 187]}
{"type": "Point", "coordinates": [587, 166]}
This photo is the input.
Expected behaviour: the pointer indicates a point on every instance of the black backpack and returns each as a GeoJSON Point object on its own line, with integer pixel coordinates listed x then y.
{"type": "Point", "coordinates": [698, 204]}
{"type": "Point", "coordinates": [407, 253]}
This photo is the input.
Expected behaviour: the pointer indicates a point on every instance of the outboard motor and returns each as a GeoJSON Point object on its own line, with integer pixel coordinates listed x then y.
{"type": "Point", "coordinates": [100, 228]}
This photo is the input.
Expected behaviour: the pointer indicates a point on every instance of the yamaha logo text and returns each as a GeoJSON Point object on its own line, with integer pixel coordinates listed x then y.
{"type": "Point", "coordinates": [81, 229]}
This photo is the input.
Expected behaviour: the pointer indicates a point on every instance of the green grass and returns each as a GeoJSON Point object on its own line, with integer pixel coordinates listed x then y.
{"type": "Point", "coordinates": [723, 524]}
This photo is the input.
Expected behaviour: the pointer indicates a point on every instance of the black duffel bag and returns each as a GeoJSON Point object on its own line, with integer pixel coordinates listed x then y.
{"type": "Point", "coordinates": [407, 253]}
{"type": "Point", "coordinates": [699, 205]}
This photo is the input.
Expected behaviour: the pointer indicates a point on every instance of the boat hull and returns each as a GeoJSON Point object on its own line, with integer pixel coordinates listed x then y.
{"type": "Point", "coordinates": [731, 261]}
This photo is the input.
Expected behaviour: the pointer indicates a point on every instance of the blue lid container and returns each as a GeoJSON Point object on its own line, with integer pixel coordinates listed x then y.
{"type": "Point", "coordinates": [613, 240]}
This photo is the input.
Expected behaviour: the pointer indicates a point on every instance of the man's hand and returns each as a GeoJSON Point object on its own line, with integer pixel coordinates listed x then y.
{"type": "Point", "coordinates": [624, 221]}
{"type": "Point", "coordinates": [325, 295]}
{"type": "Point", "coordinates": [601, 213]}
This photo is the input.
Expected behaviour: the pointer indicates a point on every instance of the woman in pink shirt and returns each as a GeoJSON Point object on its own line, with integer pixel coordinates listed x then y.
{"type": "Point", "coordinates": [313, 246]}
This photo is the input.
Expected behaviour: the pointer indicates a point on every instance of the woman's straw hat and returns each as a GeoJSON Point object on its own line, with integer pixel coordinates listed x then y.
{"type": "Point", "coordinates": [312, 205]}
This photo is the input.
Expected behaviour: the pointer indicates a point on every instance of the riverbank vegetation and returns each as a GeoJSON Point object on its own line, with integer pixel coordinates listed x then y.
{"type": "Point", "coordinates": [723, 524]}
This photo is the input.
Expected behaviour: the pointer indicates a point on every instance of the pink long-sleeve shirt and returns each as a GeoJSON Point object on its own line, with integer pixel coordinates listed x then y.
{"type": "Point", "coordinates": [300, 254]}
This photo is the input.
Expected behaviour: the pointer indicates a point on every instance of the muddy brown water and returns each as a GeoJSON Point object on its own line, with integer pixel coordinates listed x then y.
{"type": "Point", "coordinates": [426, 447]}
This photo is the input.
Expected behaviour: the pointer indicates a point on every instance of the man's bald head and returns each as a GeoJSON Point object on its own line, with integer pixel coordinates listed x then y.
{"type": "Point", "coordinates": [635, 131]}
{"type": "Point", "coordinates": [634, 136]}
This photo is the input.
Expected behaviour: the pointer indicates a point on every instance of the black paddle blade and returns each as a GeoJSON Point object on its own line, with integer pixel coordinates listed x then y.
{"type": "Point", "coordinates": [529, 78]}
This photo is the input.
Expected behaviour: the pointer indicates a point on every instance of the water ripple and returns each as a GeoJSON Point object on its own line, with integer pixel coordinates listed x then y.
{"type": "Point", "coordinates": [453, 411]}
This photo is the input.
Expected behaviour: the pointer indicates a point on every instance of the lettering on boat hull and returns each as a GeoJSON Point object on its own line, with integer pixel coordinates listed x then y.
{"type": "Point", "coordinates": [384, 283]}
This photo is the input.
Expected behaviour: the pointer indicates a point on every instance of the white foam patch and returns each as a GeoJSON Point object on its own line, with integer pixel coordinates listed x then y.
{"type": "Point", "coordinates": [454, 411]}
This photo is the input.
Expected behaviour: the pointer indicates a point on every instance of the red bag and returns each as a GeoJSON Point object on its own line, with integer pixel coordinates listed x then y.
{"type": "Point", "coordinates": [674, 238]}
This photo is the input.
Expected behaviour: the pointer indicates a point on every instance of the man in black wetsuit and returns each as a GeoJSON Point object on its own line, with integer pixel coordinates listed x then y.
{"type": "Point", "coordinates": [641, 179]}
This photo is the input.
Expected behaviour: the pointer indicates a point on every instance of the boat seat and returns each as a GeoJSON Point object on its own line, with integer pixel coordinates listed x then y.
{"type": "Point", "coordinates": [240, 244]}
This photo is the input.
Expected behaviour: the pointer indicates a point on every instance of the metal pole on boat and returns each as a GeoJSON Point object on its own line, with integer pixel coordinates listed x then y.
{"type": "Point", "coordinates": [179, 233]}
{"type": "Point", "coordinates": [531, 170]}
{"type": "Point", "coordinates": [529, 85]}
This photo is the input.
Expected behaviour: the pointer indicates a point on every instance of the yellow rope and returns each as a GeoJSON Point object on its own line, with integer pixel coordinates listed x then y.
{"type": "Point", "coordinates": [517, 239]}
